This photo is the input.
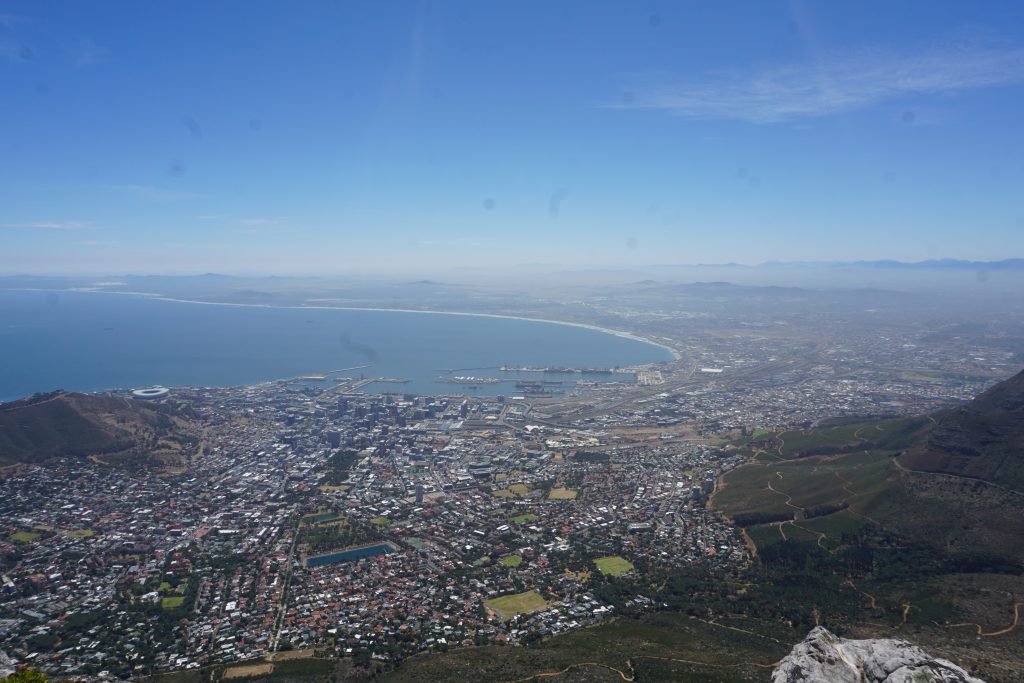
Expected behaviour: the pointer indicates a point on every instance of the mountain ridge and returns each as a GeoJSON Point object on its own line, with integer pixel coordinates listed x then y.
{"type": "Point", "coordinates": [982, 439]}
{"type": "Point", "coordinates": [63, 424]}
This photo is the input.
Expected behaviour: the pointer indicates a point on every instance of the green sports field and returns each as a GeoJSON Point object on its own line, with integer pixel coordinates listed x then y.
{"type": "Point", "coordinates": [507, 606]}
{"type": "Point", "coordinates": [613, 565]}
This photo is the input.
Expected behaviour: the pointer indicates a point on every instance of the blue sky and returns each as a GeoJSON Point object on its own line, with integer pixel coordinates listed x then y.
{"type": "Point", "coordinates": [334, 137]}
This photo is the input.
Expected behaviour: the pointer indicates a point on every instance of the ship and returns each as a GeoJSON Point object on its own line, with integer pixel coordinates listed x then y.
{"type": "Point", "coordinates": [469, 379]}
{"type": "Point", "coordinates": [558, 370]}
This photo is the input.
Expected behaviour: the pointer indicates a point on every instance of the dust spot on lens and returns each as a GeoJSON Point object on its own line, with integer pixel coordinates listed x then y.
{"type": "Point", "coordinates": [982, 275]}
{"type": "Point", "coordinates": [367, 352]}
{"type": "Point", "coordinates": [632, 243]}
{"type": "Point", "coordinates": [193, 127]}
{"type": "Point", "coordinates": [255, 124]}
{"type": "Point", "coordinates": [654, 21]}
{"type": "Point", "coordinates": [555, 202]}
{"type": "Point", "coordinates": [489, 204]}
{"type": "Point", "coordinates": [908, 117]}
{"type": "Point", "coordinates": [176, 169]}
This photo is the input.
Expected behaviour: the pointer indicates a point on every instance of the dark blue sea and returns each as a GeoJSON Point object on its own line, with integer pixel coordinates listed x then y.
{"type": "Point", "coordinates": [82, 341]}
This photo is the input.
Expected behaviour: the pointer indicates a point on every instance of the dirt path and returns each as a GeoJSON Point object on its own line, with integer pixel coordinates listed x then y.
{"type": "Point", "coordinates": [722, 666]}
{"type": "Point", "coordinates": [783, 493]}
{"type": "Point", "coordinates": [846, 487]}
{"type": "Point", "coordinates": [1000, 632]}
{"type": "Point", "coordinates": [845, 482]}
{"type": "Point", "coordinates": [904, 468]}
{"type": "Point", "coordinates": [740, 630]}
{"type": "Point", "coordinates": [631, 676]}
{"type": "Point", "coordinates": [760, 451]}
{"type": "Point", "coordinates": [819, 534]}
{"type": "Point", "coordinates": [872, 603]}
{"type": "Point", "coordinates": [749, 542]}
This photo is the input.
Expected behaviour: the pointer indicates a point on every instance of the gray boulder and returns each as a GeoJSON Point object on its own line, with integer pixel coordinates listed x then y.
{"type": "Point", "coordinates": [823, 657]}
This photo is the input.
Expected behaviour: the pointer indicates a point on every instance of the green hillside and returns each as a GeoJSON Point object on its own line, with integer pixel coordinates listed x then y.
{"type": "Point", "coordinates": [983, 439]}
{"type": "Point", "coordinates": [75, 425]}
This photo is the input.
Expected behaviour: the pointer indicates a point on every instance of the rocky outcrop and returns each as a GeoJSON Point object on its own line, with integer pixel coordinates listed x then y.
{"type": "Point", "coordinates": [824, 657]}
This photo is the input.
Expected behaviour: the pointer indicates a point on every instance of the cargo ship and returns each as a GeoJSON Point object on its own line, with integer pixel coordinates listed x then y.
{"type": "Point", "coordinates": [554, 370]}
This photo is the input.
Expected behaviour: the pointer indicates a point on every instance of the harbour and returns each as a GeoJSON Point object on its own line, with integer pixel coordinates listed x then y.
{"type": "Point", "coordinates": [134, 341]}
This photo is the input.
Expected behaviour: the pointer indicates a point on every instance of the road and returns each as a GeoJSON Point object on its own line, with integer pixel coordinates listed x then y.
{"type": "Point", "coordinates": [283, 607]}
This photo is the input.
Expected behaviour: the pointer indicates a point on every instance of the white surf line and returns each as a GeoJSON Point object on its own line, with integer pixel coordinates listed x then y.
{"type": "Point", "coordinates": [161, 297]}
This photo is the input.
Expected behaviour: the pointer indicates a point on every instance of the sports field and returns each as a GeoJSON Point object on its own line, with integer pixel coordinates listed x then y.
{"type": "Point", "coordinates": [613, 565]}
{"type": "Point", "coordinates": [507, 606]}
{"type": "Point", "coordinates": [511, 561]}
{"type": "Point", "coordinates": [523, 519]}
{"type": "Point", "coordinates": [248, 671]}
{"type": "Point", "coordinates": [513, 491]}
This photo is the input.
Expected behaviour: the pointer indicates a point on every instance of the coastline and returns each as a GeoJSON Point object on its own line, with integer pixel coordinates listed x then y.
{"type": "Point", "coordinates": [160, 297]}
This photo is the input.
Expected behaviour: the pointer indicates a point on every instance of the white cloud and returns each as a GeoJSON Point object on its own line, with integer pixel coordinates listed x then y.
{"type": "Point", "coordinates": [837, 83]}
{"type": "Point", "coordinates": [52, 225]}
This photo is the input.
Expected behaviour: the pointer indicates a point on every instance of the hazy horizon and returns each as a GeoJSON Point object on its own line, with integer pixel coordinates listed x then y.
{"type": "Point", "coordinates": [1008, 264]}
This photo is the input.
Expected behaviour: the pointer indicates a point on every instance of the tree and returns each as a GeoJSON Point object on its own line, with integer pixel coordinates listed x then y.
{"type": "Point", "coordinates": [26, 676]}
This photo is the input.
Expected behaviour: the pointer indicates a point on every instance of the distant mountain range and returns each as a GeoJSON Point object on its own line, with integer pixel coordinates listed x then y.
{"type": "Point", "coordinates": [209, 279]}
{"type": "Point", "coordinates": [933, 264]}
{"type": "Point", "coordinates": [885, 264]}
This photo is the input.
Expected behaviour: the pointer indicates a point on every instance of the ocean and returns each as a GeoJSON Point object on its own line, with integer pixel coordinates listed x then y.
{"type": "Point", "coordinates": [82, 341]}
